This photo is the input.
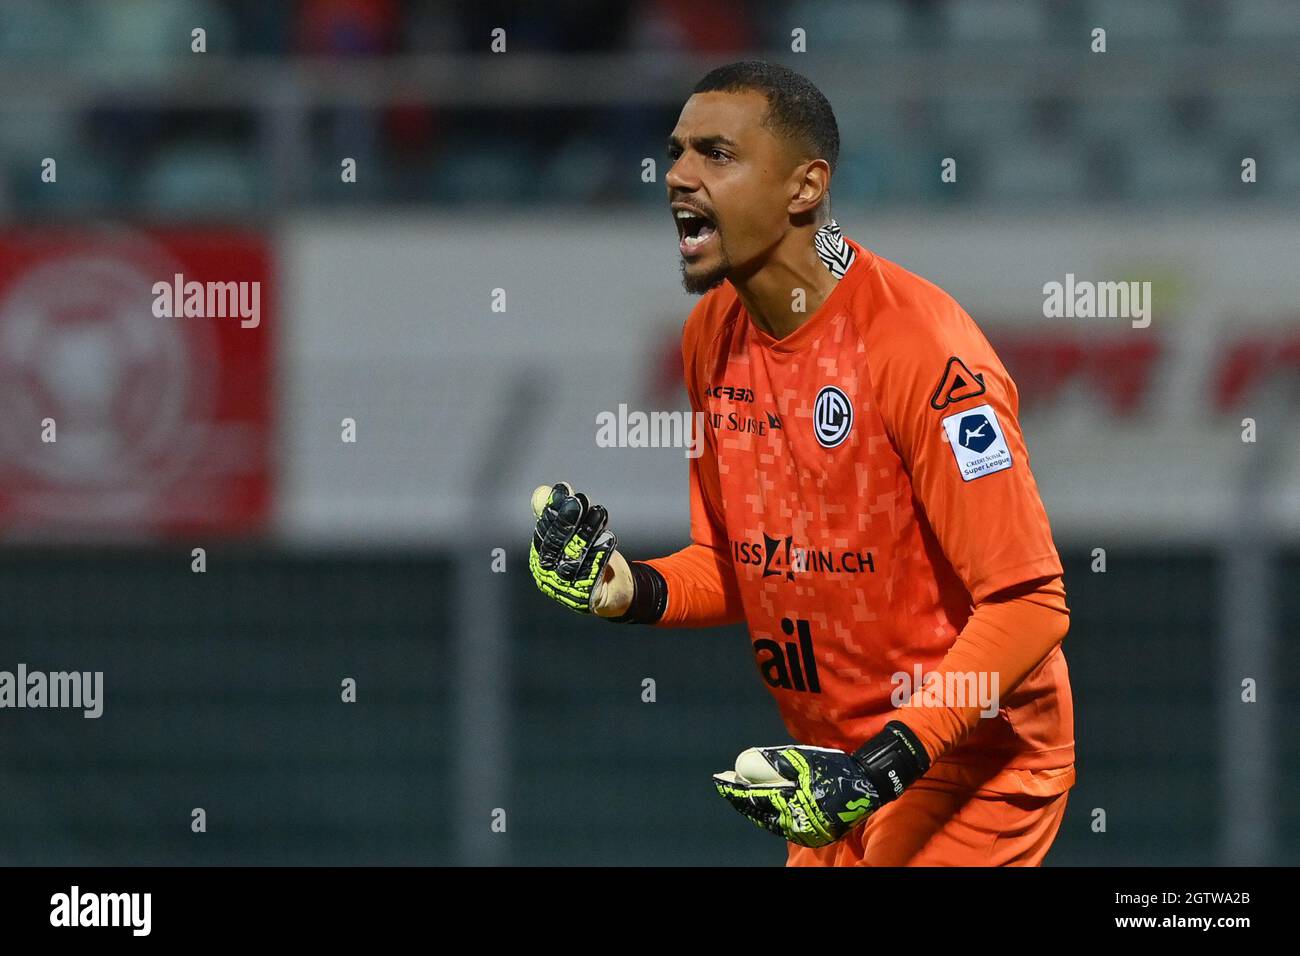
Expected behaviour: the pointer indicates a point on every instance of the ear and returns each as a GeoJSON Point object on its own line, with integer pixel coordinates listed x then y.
{"type": "Point", "coordinates": [812, 183]}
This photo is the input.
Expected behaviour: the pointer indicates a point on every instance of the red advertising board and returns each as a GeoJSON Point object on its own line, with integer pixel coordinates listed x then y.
{"type": "Point", "coordinates": [135, 383]}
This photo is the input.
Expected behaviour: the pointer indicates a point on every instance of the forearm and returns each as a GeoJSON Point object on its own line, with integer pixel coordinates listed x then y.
{"type": "Point", "coordinates": [1008, 636]}
{"type": "Point", "coordinates": [694, 587]}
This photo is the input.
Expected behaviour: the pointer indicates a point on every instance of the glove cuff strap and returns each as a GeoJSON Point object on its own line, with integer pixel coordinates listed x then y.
{"type": "Point", "coordinates": [649, 596]}
{"type": "Point", "coordinates": [893, 759]}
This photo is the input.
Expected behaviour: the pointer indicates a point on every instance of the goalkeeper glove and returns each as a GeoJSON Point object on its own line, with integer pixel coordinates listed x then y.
{"type": "Point", "coordinates": [813, 796]}
{"type": "Point", "coordinates": [573, 556]}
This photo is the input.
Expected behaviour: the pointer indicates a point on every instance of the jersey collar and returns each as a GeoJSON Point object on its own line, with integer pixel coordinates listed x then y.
{"type": "Point", "coordinates": [836, 252]}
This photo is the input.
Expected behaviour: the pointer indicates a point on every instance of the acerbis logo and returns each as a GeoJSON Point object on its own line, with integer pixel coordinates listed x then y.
{"type": "Point", "coordinates": [734, 392]}
{"type": "Point", "coordinates": [832, 416]}
{"type": "Point", "coordinates": [957, 384]}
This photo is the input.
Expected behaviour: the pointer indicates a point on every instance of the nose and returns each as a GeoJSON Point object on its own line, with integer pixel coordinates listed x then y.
{"type": "Point", "coordinates": [677, 178]}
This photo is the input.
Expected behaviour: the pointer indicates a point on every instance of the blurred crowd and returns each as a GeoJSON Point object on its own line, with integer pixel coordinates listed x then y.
{"type": "Point", "coordinates": [386, 27]}
{"type": "Point", "coordinates": [1018, 143]}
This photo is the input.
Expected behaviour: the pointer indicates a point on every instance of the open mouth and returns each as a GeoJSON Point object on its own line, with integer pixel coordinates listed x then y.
{"type": "Point", "coordinates": [694, 229]}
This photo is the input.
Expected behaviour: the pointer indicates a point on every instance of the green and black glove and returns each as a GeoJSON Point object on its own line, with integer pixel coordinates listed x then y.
{"type": "Point", "coordinates": [573, 558]}
{"type": "Point", "coordinates": [813, 796]}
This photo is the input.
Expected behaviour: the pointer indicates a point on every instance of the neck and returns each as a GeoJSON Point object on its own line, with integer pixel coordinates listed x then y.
{"type": "Point", "coordinates": [769, 293]}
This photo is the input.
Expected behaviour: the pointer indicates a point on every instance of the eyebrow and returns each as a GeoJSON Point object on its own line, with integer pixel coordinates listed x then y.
{"type": "Point", "coordinates": [704, 142]}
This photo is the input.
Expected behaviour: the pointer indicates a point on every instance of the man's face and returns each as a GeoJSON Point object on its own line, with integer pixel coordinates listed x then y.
{"type": "Point", "coordinates": [729, 186]}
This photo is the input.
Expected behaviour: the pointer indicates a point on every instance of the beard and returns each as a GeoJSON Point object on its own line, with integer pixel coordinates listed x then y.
{"type": "Point", "coordinates": [701, 282]}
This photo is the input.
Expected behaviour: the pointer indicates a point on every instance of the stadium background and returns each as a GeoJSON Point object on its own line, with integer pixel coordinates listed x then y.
{"type": "Point", "coordinates": [523, 171]}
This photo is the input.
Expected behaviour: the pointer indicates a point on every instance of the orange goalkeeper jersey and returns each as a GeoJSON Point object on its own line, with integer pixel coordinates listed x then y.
{"type": "Point", "coordinates": [867, 480]}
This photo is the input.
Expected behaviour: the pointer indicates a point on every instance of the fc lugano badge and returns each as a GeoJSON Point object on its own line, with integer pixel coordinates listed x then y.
{"type": "Point", "coordinates": [832, 416]}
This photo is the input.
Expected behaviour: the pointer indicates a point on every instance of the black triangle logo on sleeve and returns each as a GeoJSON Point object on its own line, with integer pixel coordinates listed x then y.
{"type": "Point", "coordinates": [957, 384]}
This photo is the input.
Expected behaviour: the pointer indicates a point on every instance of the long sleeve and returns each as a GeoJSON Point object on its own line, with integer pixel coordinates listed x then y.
{"type": "Point", "coordinates": [952, 412]}
{"type": "Point", "coordinates": [702, 590]}
{"type": "Point", "coordinates": [700, 578]}
{"type": "Point", "coordinates": [1007, 635]}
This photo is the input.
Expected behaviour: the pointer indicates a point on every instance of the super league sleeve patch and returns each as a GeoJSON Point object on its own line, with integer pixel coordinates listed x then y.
{"type": "Point", "coordinates": [957, 384]}
{"type": "Point", "coordinates": [977, 442]}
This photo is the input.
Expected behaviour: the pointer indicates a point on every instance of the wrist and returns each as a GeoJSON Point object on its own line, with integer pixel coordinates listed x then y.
{"type": "Point", "coordinates": [892, 760]}
{"type": "Point", "coordinates": [649, 596]}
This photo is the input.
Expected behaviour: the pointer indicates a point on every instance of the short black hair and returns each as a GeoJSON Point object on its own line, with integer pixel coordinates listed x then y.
{"type": "Point", "coordinates": [796, 109]}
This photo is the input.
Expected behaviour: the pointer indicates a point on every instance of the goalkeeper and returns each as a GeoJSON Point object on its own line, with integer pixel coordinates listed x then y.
{"type": "Point", "coordinates": [863, 502]}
